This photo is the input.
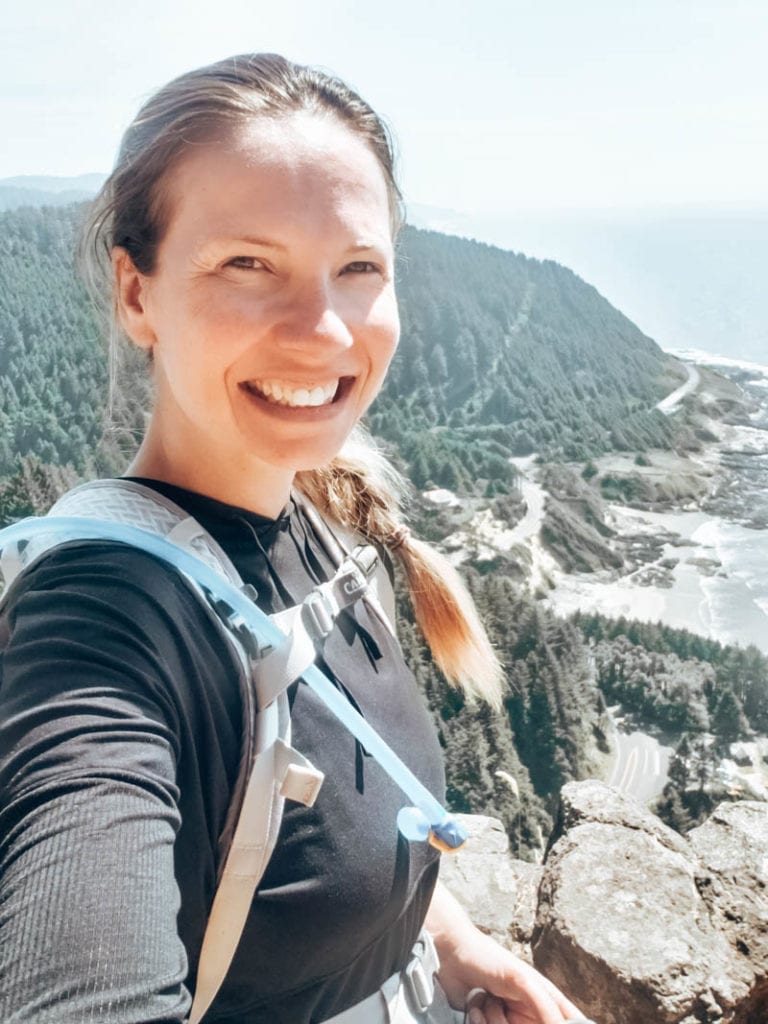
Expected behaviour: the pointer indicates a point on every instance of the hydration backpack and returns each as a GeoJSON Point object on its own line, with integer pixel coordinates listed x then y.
{"type": "Point", "coordinates": [272, 651]}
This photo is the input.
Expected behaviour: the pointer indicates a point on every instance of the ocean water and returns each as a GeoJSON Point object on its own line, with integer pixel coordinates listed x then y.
{"type": "Point", "coordinates": [736, 607]}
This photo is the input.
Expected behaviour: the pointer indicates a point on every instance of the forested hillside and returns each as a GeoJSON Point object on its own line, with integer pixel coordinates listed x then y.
{"type": "Point", "coordinates": [506, 355]}
{"type": "Point", "coordinates": [52, 372]}
{"type": "Point", "coordinates": [53, 375]}
{"type": "Point", "coordinates": [500, 355]}
{"type": "Point", "coordinates": [550, 730]}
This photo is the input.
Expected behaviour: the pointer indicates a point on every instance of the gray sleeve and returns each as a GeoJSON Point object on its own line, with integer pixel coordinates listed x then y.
{"type": "Point", "coordinates": [88, 815]}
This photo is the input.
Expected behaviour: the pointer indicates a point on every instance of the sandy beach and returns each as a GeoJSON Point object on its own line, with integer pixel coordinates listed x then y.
{"type": "Point", "coordinates": [719, 586]}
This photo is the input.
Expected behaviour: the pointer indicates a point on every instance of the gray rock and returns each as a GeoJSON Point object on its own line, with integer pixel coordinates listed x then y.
{"type": "Point", "coordinates": [733, 846]}
{"type": "Point", "coordinates": [498, 893]}
{"type": "Point", "coordinates": [594, 801]}
{"type": "Point", "coordinates": [638, 925]}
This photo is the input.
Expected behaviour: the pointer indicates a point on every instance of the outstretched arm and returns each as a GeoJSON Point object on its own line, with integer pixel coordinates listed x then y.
{"type": "Point", "coordinates": [88, 804]}
{"type": "Point", "coordinates": [513, 991]}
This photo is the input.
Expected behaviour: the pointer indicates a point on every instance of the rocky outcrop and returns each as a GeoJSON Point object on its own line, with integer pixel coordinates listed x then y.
{"type": "Point", "coordinates": [498, 892]}
{"type": "Point", "coordinates": [638, 924]}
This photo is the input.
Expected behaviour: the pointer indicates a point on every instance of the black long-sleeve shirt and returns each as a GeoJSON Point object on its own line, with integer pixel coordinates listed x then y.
{"type": "Point", "coordinates": [120, 738]}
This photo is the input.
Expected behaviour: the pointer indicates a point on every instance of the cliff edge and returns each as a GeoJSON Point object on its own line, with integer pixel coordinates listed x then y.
{"type": "Point", "coordinates": [635, 922]}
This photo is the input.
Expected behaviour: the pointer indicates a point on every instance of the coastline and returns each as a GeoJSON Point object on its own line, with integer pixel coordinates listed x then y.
{"type": "Point", "coordinates": [715, 602]}
{"type": "Point", "coordinates": [711, 576]}
{"type": "Point", "coordinates": [695, 547]}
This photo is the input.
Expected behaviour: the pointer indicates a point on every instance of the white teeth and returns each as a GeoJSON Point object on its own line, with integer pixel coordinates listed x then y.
{"type": "Point", "coordinates": [283, 394]}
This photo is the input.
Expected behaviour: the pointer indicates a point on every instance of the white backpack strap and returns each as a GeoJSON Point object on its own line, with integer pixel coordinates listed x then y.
{"type": "Point", "coordinates": [126, 501]}
{"type": "Point", "coordinates": [308, 624]}
{"type": "Point", "coordinates": [279, 772]}
{"type": "Point", "coordinates": [339, 541]}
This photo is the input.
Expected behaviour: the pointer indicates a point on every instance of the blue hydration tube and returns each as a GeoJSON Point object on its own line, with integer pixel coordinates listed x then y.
{"type": "Point", "coordinates": [427, 819]}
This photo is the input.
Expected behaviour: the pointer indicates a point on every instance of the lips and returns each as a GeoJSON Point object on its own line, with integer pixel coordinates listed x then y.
{"type": "Point", "coordinates": [289, 395]}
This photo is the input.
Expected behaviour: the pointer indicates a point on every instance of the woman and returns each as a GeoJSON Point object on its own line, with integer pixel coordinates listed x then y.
{"type": "Point", "coordinates": [246, 243]}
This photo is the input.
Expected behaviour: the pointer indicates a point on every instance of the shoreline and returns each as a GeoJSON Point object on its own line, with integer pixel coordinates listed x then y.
{"type": "Point", "coordinates": [695, 544]}
{"type": "Point", "coordinates": [711, 575]}
{"type": "Point", "coordinates": [708, 591]}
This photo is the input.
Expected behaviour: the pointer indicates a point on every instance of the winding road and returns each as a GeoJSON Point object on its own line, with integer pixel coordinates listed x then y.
{"type": "Point", "coordinates": [672, 402]}
{"type": "Point", "coordinates": [641, 765]}
{"type": "Point", "coordinates": [529, 526]}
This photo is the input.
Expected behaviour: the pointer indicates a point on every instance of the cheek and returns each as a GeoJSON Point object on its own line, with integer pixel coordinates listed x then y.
{"type": "Point", "coordinates": [215, 334]}
{"type": "Point", "coordinates": [384, 323]}
{"type": "Point", "coordinates": [213, 301]}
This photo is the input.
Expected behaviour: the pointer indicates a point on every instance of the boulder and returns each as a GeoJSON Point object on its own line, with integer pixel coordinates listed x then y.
{"type": "Point", "coordinates": [639, 925]}
{"type": "Point", "coordinates": [498, 893]}
{"type": "Point", "coordinates": [733, 846]}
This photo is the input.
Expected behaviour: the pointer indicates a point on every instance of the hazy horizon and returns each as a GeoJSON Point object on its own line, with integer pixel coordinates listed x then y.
{"type": "Point", "coordinates": [504, 108]}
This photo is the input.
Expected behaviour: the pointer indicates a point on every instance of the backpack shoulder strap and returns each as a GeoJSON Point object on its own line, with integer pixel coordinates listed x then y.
{"type": "Point", "coordinates": [339, 541]}
{"type": "Point", "coordinates": [276, 765]}
{"type": "Point", "coordinates": [126, 501]}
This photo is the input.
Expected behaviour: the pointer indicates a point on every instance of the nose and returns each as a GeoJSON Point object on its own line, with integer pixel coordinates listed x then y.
{"type": "Point", "coordinates": [312, 318]}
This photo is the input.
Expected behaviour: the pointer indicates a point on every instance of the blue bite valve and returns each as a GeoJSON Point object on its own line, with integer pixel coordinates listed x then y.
{"type": "Point", "coordinates": [413, 824]}
{"type": "Point", "coordinates": [448, 836]}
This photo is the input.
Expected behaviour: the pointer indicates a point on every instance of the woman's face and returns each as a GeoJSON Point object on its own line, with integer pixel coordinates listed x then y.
{"type": "Point", "coordinates": [271, 313]}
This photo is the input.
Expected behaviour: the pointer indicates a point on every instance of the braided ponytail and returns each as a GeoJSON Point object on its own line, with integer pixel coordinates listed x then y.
{"type": "Point", "coordinates": [362, 491]}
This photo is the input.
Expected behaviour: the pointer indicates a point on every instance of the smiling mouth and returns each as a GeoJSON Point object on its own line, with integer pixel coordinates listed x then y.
{"type": "Point", "coordinates": [293, 396]}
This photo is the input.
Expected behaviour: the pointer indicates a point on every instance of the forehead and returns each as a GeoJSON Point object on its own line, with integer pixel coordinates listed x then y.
{"type": "Point", "coordinates": [302, 169]}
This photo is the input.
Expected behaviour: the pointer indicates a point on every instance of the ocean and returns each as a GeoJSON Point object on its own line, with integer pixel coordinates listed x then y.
{"type": "Point", "coordinates": [736, 605]}
{"type": "Point", "coordinates": [719, 586]}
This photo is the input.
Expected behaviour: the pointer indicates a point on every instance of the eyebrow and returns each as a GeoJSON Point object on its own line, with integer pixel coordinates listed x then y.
{"type": "Point", "coordinates": [249, 240]}
{"type": "Point", "coordinates": [267, 243]}
{"type": "Point", "coordinates": [364, 247]}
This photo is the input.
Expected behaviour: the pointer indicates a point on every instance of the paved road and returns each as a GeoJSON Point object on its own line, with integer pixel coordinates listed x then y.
{"type": "Point", "coordinates": [669, 404]}
{"type": "Point", "coordinates": [641, 765]}
{"type": "Point", "coordinates": [530, 524]}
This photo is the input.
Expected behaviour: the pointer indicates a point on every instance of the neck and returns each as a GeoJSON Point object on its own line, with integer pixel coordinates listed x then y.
{"type": "Point", "coordinates": [248, 483]}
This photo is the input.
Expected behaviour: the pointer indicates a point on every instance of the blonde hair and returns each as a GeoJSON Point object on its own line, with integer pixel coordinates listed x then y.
{"type": "Point", "coordinates": [359, 488]}
{"type": "Point", "coordinates": [363, 491]}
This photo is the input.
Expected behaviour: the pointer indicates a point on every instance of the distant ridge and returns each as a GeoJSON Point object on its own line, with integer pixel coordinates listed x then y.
{"type": "Point", "coordinates": [89, 183]}
{"type": "Point", "coordinates": [47, 190]}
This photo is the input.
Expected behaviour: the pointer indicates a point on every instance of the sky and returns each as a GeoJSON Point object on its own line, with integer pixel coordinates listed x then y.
{"type": "Point", "coordinates": [497, 106]}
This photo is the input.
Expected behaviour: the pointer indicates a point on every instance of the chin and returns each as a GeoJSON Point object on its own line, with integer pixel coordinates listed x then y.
{"type": "Point", "coordinates": [306, 461]}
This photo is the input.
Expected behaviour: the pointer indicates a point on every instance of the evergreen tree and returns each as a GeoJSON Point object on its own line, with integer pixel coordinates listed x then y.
{"type": "Point", "coordinates": [728, 720]}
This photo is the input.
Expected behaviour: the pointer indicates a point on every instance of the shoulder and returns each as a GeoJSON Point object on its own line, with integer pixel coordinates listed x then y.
{"type": "Point", "coordinates": [105, 582]}
{"type": "Point", "coordinates": [115, 573]}
{"type": "Point", "coordinates": [110, 609]}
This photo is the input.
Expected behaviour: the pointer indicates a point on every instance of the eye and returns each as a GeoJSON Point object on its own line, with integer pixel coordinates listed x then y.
{"type": "Point", "coordinates": [245, 263]}
{"type": "Point", "coordinates": [362, 267]}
